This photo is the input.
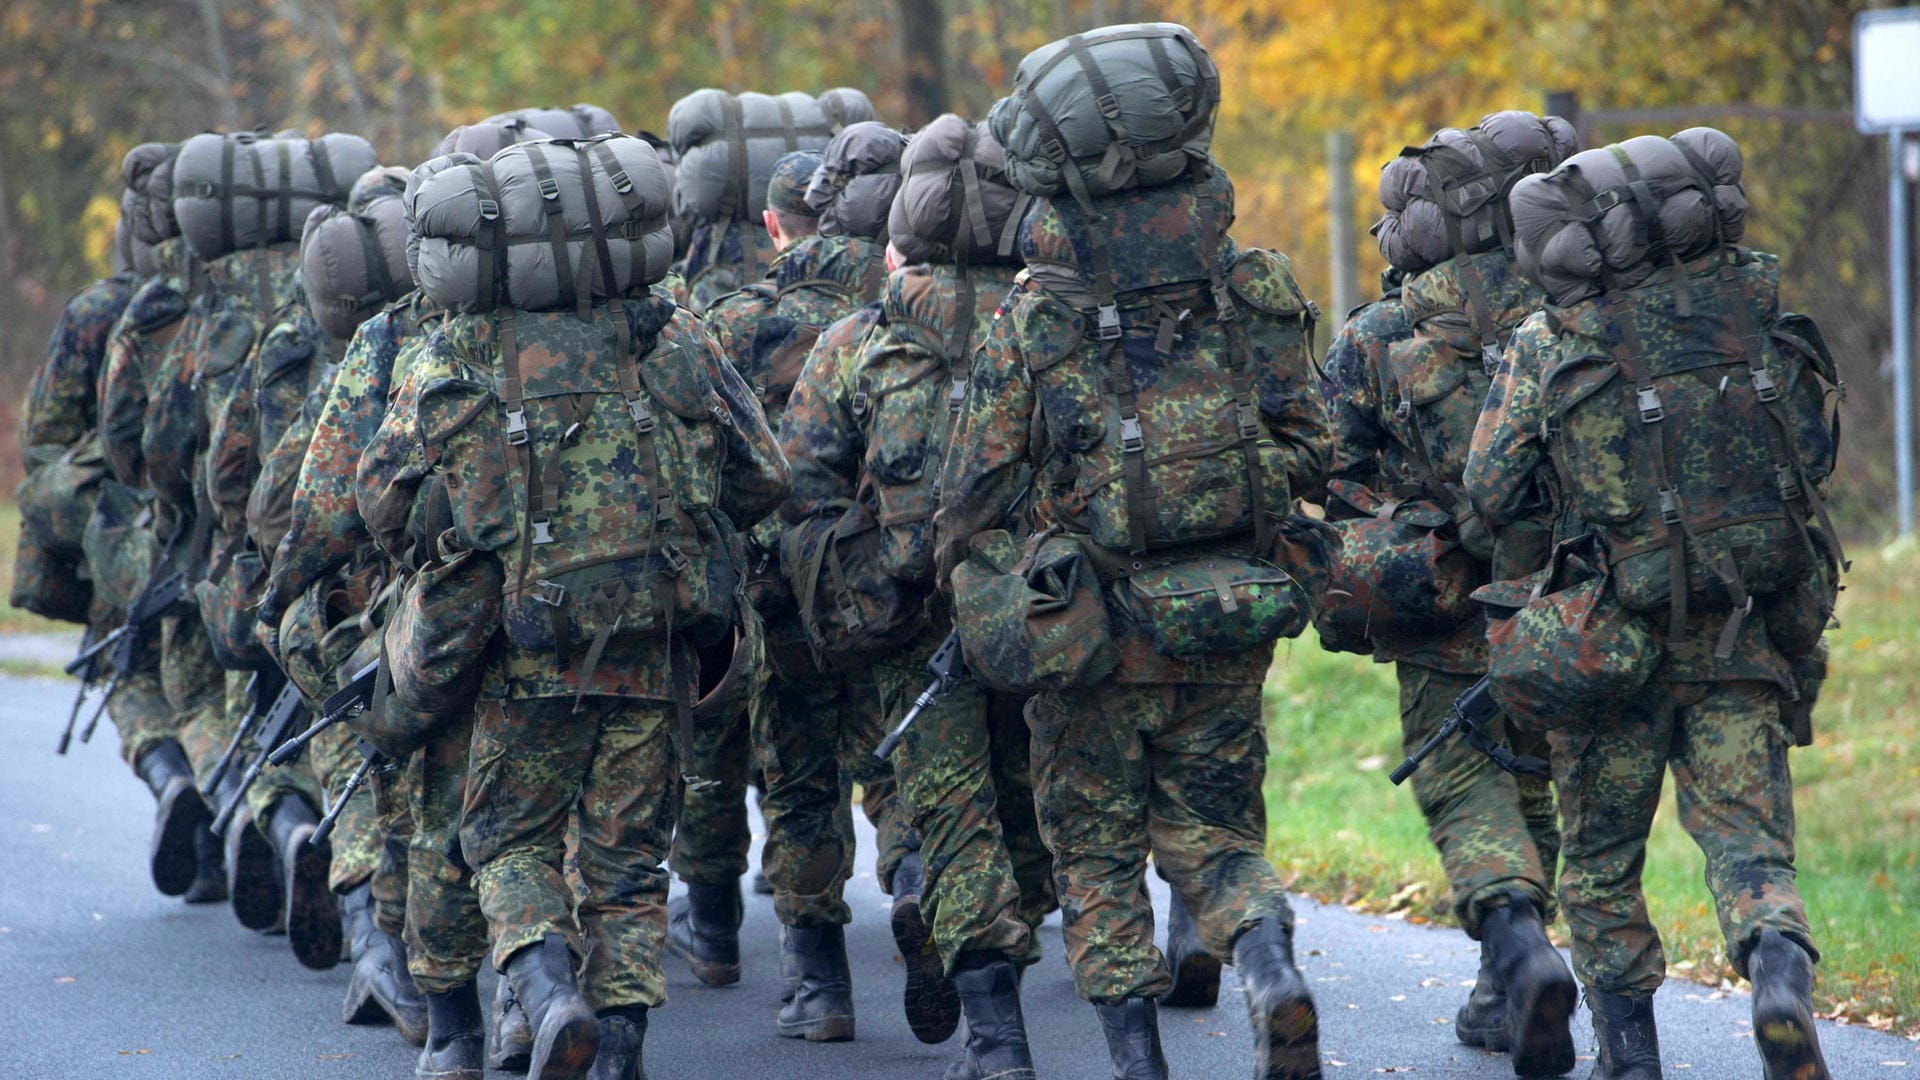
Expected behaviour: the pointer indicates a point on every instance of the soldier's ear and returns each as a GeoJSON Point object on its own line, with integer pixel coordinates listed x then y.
{"type": "Point", "coordinates": [772, 221]}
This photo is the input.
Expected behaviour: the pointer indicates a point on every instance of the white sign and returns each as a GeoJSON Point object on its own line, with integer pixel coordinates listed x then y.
{"type": "Point", "coordinates": [1886, 70]}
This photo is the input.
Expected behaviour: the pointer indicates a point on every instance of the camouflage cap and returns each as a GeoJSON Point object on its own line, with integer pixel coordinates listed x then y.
{"type": "Point", "coordinates": [787, 190]}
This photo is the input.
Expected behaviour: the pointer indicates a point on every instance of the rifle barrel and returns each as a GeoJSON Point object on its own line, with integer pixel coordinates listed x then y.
{"type": "Point", "coordinates": [88, 654]}
{"type": "Point", "coordinates": [247, 724]}
{"type": "Point", "coordinates": [892, 742]}
{"type": "Point", "coordinates": [289, 750]}
{"type": "Point", "coordinates": [353, 784]}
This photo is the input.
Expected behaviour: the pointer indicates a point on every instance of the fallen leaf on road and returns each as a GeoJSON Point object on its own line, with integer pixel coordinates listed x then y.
{"type": "Point", "coordinates": [331, 1057]}
{"type": "Point", "coordinates": [66, 979]}
{"type": "Point", "coordinates": [226, 1057]}
{"type": "Point", "coordinates": [1432, 981]}
{"type": "Point", "coordinates": [1376, 928]}
{"type": "Point", "coordinates": [1398, 997]}
{"type": "Point", "coordinates": [1215, 1034]}
{"type": "Point", "coordinates": [142, 1050]}
{"type": "Point", "coordinates": [1894, 1064]}
{"type": "Point", "coordinates": [1336, 1064]}
{"type": "Point", "coordinates": [1394, 1068]}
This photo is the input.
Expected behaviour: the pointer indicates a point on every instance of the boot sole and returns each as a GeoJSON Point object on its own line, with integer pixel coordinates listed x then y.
{"type": "Point", "coordinates": [461, 1072]}
{"type": "Point", "coordinates": [1196, 983]}
{"type": "Point", "coordinates": [252, 884]}
{"type": "Point", "coordinates": [174, 861]}
{"type": "Point", "coordinates": [1493, 1037]}
{"type": "Point", "coordinates": [567, 1044]}
{"type": "Point", "coordinates": [1286, 1040]}
{"type": "Point", "coordinates": [502, 1059]}
{"type": "Point", "coordinates": [709, 972]}
{"type": "Point", "coordinates": [1788, 1041]}
{"type": "Point", "coordinates": [931, 1001]}
{"type": "Point", "coordinates": [1540, 1004]}
{"type": "Point", "coordinates": [364, 1005]}
{"type": "Point", "coordinates": [818, 1029]}
{"type": "Point", "coordinates": [313, 912]}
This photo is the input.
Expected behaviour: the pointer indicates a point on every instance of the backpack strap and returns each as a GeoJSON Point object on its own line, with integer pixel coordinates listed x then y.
{"type": "Point", "coordinates": [603, 251]}
{"type": "Point", "coordinates": [1646, 210]}
{"type": "Point", "coordinates": [490, 267]}
{"type": "Point", "coordinates": [1446, 172]}
{"type": "Point", "coordinates": [379, 280]}
{"type": "Point", "coordinates": [1246, 417]}
{"type": "Point", "coordinates": [570, 294]}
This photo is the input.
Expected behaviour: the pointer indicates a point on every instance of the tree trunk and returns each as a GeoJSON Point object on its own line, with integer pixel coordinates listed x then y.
{"type": "Point", "coordinates": [923, 57]}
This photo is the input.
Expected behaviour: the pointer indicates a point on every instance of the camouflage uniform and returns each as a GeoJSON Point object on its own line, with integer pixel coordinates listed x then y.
{"type": "Point", "coordinates": [1716, 723]}
{"type": "Point", "coordinates": [724, 258]}
{"type": "Point", "coordinates": [1494, 831]}
{"type": "Point", "coordinates": [962, 767]}
{"type": "Point", "coordinates": [1168, 755]}
{"type": "Point", "coordinates": [535, 761]}
{"type": "Point", "coordinates": [813, 731]}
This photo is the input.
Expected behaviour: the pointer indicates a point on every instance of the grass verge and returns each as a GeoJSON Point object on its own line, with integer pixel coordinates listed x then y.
{"type": "Point", "coordinates": [1343, 833]}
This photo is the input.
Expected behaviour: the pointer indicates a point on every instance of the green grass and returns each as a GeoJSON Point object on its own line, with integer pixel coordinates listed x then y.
{"type": "Point", "coordinates": [1343, 833]}
{"type": "Point", "coordinates": [12, 619]}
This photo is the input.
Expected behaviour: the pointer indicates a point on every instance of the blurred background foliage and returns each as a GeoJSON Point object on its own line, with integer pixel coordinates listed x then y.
{"type": "Point", "coordinates": [84, 80]}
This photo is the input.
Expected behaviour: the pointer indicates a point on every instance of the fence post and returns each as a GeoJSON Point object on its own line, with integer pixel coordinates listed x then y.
{"type": "Point", "coordinates": [1899, 253]}
{"type": "Point", "coordinates": [1340, 238]}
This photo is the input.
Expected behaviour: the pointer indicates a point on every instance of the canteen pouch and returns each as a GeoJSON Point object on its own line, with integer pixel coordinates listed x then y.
{"type": "Point", "coordinates": [229, 606]}
{"type": "Point", "coordinates": [1560, 647]}
{"type": "Point", "coordinates": [1030, 614]}
{"type": "Point", "coordinates": [441, 627]}
{"type": "Point", "coordinates": [1402, 573]}
{"type": "Point", "coordinates": [1220, 603]}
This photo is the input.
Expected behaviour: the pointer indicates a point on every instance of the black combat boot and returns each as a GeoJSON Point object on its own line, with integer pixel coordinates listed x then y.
{"type": "Point", "coordinates": [210, 869]}
{"type": "Point", "coordinates": [1541, 994]}
{"type": "Point", "coordinates": [989, 990]}
{"type": "Point", "coordinates": [704, 927]}
{"type": "Point", "coordinates": [509, 1035]}
{"type": "Point", "coordinates": [1629, 1042]}
{"type": "Point", "coordinates": [1196, 972]}
{"type": "Point", "coordinates": [1482, 1021]}
{"type": "Point", "coordinates": [623, 1036]}
{"type": "Point", "coordinates": [380, 989]}
{"type": "Point", "coordinates": [454, 1038]}
{"type": "Point", "coordinates": [313, 916]}
{"type": "Point", "coordinates": [1286, 1029]}
{"type": "Point", "coordinates": [179, 813]}
{"type": "Point", "coordinates": [566, 1036]}
{"type": "Point", "coordinates": [253, 882]}
{"type": "Point", "coordinates": [932, 1004]}
{"type": "Point", "coordinates": [822, 1006]}
{"type": "Point", "coordinates": [1133, 1039]}
{"type": "Point", "coordinates": [1782, 975]}
{"type": "Point", "coordinates": [789, 969]}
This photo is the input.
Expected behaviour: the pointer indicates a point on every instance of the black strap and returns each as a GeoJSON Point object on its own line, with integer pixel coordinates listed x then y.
{"type": "Point", "coordinates": [550, 202]}
{"type": "Point", "coordinates": [603, 251]}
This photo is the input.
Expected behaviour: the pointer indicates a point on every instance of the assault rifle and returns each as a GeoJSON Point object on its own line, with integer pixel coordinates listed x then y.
{"type": "Point", "coordinates": [947, 667]}
{"type": "Point", "coordinates": [375, 761]}
{"type": "Point", "coordinates": [160, 595]}
{"type": "Point", "coordinates": [1472, 711]}
{"type": "Point", "coordinates": [343, 704]}
{"type": "Point", "coordinates": [262, 689]}
{"type": "Point", "coordinates": [284, 717]}
{"type": "Point", "coordinates": [88, 673]}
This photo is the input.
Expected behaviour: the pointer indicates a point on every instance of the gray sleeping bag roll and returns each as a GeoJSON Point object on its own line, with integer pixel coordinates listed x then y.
{"type": "Point", "coordinates": [489, 137]}
{"type": "Point", "coordinates": [543, 226]}
{"type": "Point", "coordinates": [148, 172]}
{"type": "Point", "coordinates": [846, 106]}
{"type": "Point", "coordinates": [852, 190]}
{"type": "Point", "coordinates": [1116, 108]}
{"type": "Point", "coordinates": [158, 222]}
{"type": "Point", "coordinates": [726, 145]}
{"type": "Point", "coordinates": [1465, 176]}
{"type": "Point", "coordinates": [423, 172]}
{"type": "Point", "coordinates": [1582, 232]}
{"type": "Point", "coordinates": [682, 228]}
{"type": "Point", "coordinates": [579, 122]}
{"type": "Point", "coordinates": [130, 253]}
{"type": "Point", "coordinates": [955, 201]}
{"type": "Point", "coordinates": [352, 265]}
{"type": "Point", "coordinates": [240, 191]}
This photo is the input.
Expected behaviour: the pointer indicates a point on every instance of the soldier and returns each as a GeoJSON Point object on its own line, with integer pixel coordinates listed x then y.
{"type": "Point", "coordinates": [868, 420]}
{"type": "Point", "coordinates": [1689, 326]}
{"type": "Point", "coordinates": [580, 695]}
{"type": "Point", "coordinates": [814, 729]}
{"type": "Point", "coordinates": [1397, 438]}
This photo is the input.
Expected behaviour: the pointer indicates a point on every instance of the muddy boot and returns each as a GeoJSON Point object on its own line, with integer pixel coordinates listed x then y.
{"type": "Point", "coordinates": [822, 1007]}
{"type": "Point", "coordinates": [253, 882]}
{"type": "Point", "coordinates": [1196, 973]}
{"type": "Point", "coordinates": [313, 916]}
{"type": "Point", "coordinates": [454, 1038]}
{"type": "Point", "coordinates": [932, 1004]}
{"type": "Point", "coordinates": [789, 969]}
{"type": "Point", "coordinates": [1286, 1030]}
{"type": "Point", "coordinates": [989, 990]}
{"type": "Point", "coordinates": [623, 1035]}
{"type": "Point", "coordinates": [1133, 1039]}
{"type": "Point", "coordinates": [1482, 1021]}
{"type": "Point", "coordinates": [1782, 975]}
{"type": "Point", "coordinates": [179, 812]}
{"type": "Point", "coordinates": [210, 869]}
{"type": "Point", "coordinates": [704, 927]}
{"type": "Point", "coordinates": [566, 1035]}
{"type": "Point", "coordinates": [509, 1036]}
{"type": "Point", "coordinates": [1541, 994]}
{"type": "Point", "coordinates": [1629, 1042]}
{"type": "Point", "coordinates": [380, 989]}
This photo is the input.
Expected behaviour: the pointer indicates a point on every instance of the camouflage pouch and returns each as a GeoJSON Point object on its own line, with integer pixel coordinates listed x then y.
{"type": "Point", "coordinates": [229, 601]}
{"type": "Point", "coordinates": [1402, 574]}
{"type": "Point", "coordinates": [1030, 614]}
{"type": "Point", "coordinates": [120, 545]}
{"type": "Point", "coordinates": [1220, 603]}
{"type": "Point", "coordinates": [57, 497]}
{"type": "Point", "coordinates": [49, 585]}
{"type": "Point", "coordinates": [440, 629]}
{"type": "Point", "coordinates": [733, 671]}
{"type": "Point", "coordinates": [848, 602]}
{"type": "Point", "coordinates": [324, 626]}
{"type": "Point", "coordinates": [1560, 647]}
{"type": "Point", "coordinates": [389, 726]}
{"type": "Point", "coordinates": [1809, 674]}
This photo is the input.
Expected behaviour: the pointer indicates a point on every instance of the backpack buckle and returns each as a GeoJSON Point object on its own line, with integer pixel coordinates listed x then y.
{"type": "Point", "coordinates": [1403, 410]}
{"type": "Point", "coordinates": [1132, 439]}
{"type": "Point", "coordinates": [849, 609]}
{"type": "Point", "coordinates": [550, 593]}
{"type": "Point", "coordinates": [675, 559]}
{"type": "Point", "coordinates": [1108, 105]}
{"type": "Point", "coordinates": [489, 210]}
{"type": "Point", "coordinates": [1056, 152]}
{"type": "Point", "coordinates": [642, 418]}
{"type": "Point", "coordinates": [956, 394]}
{"type": "Point", "coordinates": [1489, 358]}
{"type": "Point", "coordinates": [1788, 482]}
{"type": "Point", "coordinates": [516, 427]}
{"type": "Point", "coordinates": [1670, 506]}
{"type": "Point", "coordinates": [549, 189]}
{"type": "Point", "coordinates": [1109, 322]}
{"type": "Point", "coordinates": [1648, 399]}
{"type": "Point", "coordinates": [622, 183]}
{"type": "Point", "coordinates": [1764, 387]}
{"type": "Point", "coordinates": [1249, 417]}
{"type": "Point", "coordinates": [861, 402]}
{"type": "Point", "coordinates": [543, 531]}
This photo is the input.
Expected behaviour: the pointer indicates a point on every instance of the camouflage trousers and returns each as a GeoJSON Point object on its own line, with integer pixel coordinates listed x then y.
{"type": "Point", "coordinates": [446, 934]}
{"type": "Point", "coordinates": [536, 763]}
{"type": "Point", "coordinates": [1123, 771]}
{"type": "Point", "coordinates": [966, 788]}
{"type": "Point", "coordinates": [1495, 831]}
{"type": "Point", "coordinates": [710, 845]}
{"type": "Point", "coordinates": [813, 736]}
{"type": "Point", "coordinates": [1727, 748]}
{"type": "Point", "coordinates": [196, 690]}
{"type": "Point", "coordinates": [139, 708]}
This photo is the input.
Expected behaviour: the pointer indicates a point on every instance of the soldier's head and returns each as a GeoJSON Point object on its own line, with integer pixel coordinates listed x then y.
{"type": "Point", "coordinates": [788, 217]}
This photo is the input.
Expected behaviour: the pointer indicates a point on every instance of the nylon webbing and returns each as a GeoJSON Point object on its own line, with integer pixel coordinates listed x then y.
{"type": "Point", "coordinates": [602, 250]}
{"type": "Point", "coordinates": [1479, 310]}
{"type": "Point", "coordinates": [379, 278]}
{"type": "Point", "coordinates": [733, 196]}
{"type": "Point", "coordinates": [557, 231]}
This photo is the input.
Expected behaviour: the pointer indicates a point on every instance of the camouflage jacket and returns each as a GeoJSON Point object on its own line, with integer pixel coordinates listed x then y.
{"type": "Point", "coordinates": [266, 398]}
{"type": "Point", "coordinates": [754, 481]}
{"type": "Point", "coordinates": [724, 258]}
{"type": "Point", "coordinates": [1510, 463]}
{"type": "Point", "coordinates": [324, 528]}
{"type": "Point", "coordinates": [63, 400]}
{"type": "Point", "coordinates": [141, 337]}
{"type": "Point", "coordinates": [998, 439]}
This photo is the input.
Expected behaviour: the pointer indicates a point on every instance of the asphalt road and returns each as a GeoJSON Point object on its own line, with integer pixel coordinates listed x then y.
{"type": "Point", "coordinates": [103, 977]}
